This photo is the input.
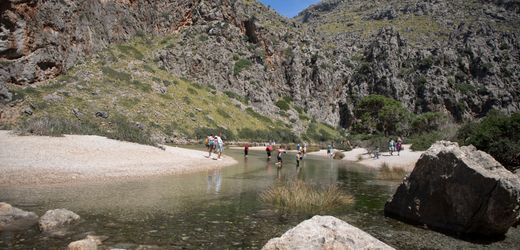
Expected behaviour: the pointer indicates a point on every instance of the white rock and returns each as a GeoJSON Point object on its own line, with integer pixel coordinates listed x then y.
{"type": "Point", "coordinates": [325, 232]}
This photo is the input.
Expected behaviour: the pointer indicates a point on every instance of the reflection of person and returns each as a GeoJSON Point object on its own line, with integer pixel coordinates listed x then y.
{"type": "Point", "coordinates": [214, 181]}
{"type": "Point", "coordinates": [298, 158]}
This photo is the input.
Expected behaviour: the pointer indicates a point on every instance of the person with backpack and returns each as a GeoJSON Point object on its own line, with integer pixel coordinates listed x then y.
{"type": "Point", "coordinates": [268, 150]}
{"type": "Point", "coordinates": [211, 144]}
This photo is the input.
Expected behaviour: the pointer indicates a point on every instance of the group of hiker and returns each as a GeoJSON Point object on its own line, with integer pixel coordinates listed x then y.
{"type": "Point", "coordinates": [214, 144]}
{"type": "Point", "coordinates": [393, 146]}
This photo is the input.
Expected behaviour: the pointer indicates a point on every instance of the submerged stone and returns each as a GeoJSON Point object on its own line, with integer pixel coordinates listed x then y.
{"type": "Point", "coordinates": [55, 222]}
{"type": "Point", "coordinates": [15, 219]}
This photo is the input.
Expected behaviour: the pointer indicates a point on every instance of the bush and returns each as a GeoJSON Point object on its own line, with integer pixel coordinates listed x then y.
{"type": "Point", "coordinates": [258, 116]}
{"type": "Point", "coordinates": [301, 198]}
{"type": "Point", "coordinates": [283, 105]}
{"type": "Point", "coordinates": [497, 134]}
{"type": "Point", "coordinates": [56, 126]}
{"type": "Point", "coordinates": [279, 135]}
{"type": "Point", "coordinates": [114, 74]}
{"type": "Point", "coordinates": [236, 96]}
{"type": "Point", "coordinates": [428, 122]}
{"type": "Point", "coordinates": [141, 86]}
{"type": "Point", "coordinates": [204, 132]}
{"type": "Point", "coordinates": [131, 51]}
{"type": "Point", "coordinates": [423, 141]}
{"type": "Point", "coordinates": [240, 65]}
{"type": "Point", "coordinates": [223, 113]}
{"type": "Point", "coordinates": [124, 130]}
{"type": "Point", "coordinates": [380, 114]}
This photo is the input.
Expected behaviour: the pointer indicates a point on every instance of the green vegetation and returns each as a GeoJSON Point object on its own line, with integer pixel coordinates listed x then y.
{"type": "Point", "coordinates": [283, 105]}
{"type": "Point", "coordinates": [496, 134]}
{"type": "Point", "coordinates": [380, 114]}
{"type": "Point", "coordinates": [235, 96]}
{"type": "Point", "coordinates": [241, 65]}
{"type": "Point", "coordinates": [125, 91]}
{"type": "Point", "coordinates": [298, 197]}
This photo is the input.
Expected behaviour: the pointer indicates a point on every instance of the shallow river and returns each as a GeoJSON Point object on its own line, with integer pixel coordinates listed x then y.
{"type": "Point", "coordinates": [220, 209]}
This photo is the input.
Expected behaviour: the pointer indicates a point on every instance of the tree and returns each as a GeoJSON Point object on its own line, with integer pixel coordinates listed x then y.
{"type": "Point", "coordinates": [377, 113]}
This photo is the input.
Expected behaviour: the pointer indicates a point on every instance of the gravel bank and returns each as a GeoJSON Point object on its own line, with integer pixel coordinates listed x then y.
{"type": "Point", "coordinates": [40, 160]}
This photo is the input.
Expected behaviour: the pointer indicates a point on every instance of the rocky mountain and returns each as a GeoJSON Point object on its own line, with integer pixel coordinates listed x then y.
{"type": "Point", "coordinates": [459, 57]}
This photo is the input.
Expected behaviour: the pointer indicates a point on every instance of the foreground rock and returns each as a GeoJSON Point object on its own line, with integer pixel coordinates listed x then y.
{"type": "Point", "coordinates": [86, 244]}
{"type": "Point", "coordinates": [325, 232]}
{"type": "Point", "coordinates": [55, 222]}
{"type": "Point", "coordinates": [14, 219]}
{"type": "Point", "coordinates": [460, 190]}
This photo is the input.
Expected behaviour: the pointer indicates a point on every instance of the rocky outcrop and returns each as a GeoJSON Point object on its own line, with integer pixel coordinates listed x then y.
{"type": "Point", "coordinates": [56, 222]}
{"type": "Point", "coordinates": [15, 219]}
{"type": "Point", "coordinates": [459, 190]}
{"type": "Point", "coordinates": [325, 232]}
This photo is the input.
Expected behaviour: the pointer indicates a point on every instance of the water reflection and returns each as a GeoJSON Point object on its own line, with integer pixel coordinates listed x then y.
{"type": "Point", "coordinates": [214, 181]}
{"type": "Point", "coordinates": [218, 209]}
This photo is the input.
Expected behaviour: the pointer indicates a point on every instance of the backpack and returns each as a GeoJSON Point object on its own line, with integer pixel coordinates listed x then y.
{"type": "Point", "coordinates": [206, 141]}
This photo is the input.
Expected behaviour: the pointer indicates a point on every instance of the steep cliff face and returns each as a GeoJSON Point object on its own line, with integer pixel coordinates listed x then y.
{"type": "Point", "coordinates": [458, 57]}
{"type": "Point", "coordinates": [42, 39]}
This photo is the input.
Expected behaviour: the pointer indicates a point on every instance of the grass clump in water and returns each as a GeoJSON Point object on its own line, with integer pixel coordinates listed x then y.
{"type": "Point", "coordinates": [388, 173]}
{"type": "Point", "coordinates": [301, 197]}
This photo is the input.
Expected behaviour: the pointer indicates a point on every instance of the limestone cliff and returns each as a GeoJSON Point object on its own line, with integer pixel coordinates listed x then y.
{"type": "Point", "coordinates": [457, 56]}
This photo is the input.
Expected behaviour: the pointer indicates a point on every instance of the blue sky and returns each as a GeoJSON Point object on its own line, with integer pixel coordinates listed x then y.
{"type": "Point", "coordinates": [289, 8]}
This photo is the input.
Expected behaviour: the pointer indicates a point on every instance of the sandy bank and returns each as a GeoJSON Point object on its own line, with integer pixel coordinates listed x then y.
{"type": "Point", "coordinates": [39, 160]}
{"type": "Point", "coordinates": [405, 160]}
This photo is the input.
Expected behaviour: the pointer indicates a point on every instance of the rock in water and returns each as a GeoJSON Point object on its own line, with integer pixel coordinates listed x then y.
{"type": "Point", "coordinates": [325, 232]}
{"type": "Point", "coordinates": [460, 190]}
{"type": "Point", "coordinates": [55, 221]}
{"type": "Point", "coordinates": [14, 219]}
{"type": "Point", "coordinates": [86, 244]}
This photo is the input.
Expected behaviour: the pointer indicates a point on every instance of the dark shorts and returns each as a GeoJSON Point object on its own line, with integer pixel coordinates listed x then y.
{"type": "Point", "coordinates": [246, 151]}
{"type": "Point", "coordinates": [268, 153]}
{"type": "Point", "coordinates": [279, 158]}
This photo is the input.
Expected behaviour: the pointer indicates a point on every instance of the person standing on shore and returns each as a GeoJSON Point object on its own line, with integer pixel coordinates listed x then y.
{"type": "Point", "coordinates": [391, 146]}
{"type": "Point", "coordinates": [398, 147]}
{"type": "Point", "coordinates": [220, 146]}
{"type": "Point", "coordinates": [246, 150]}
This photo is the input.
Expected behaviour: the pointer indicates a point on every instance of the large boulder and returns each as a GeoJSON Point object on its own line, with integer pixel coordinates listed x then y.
{"type": "Point", "coordinates": [460, 190]}
{"type": "Point", "coordinates": [56, 221]}
{"type": "Point", "coordinates": [14, 219]}
{"type": "Point", "coordinates": [325, 232]}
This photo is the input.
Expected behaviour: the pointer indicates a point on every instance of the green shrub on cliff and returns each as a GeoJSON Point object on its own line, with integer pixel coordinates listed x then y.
{"type": "Point", "coordinates": [496, 134]}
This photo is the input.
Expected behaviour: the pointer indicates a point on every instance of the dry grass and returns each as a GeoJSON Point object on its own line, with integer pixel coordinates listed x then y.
{"type": "Point", "coordinates": [300, 197]}
{"type": "Point", "coordinates": [388, 173]}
